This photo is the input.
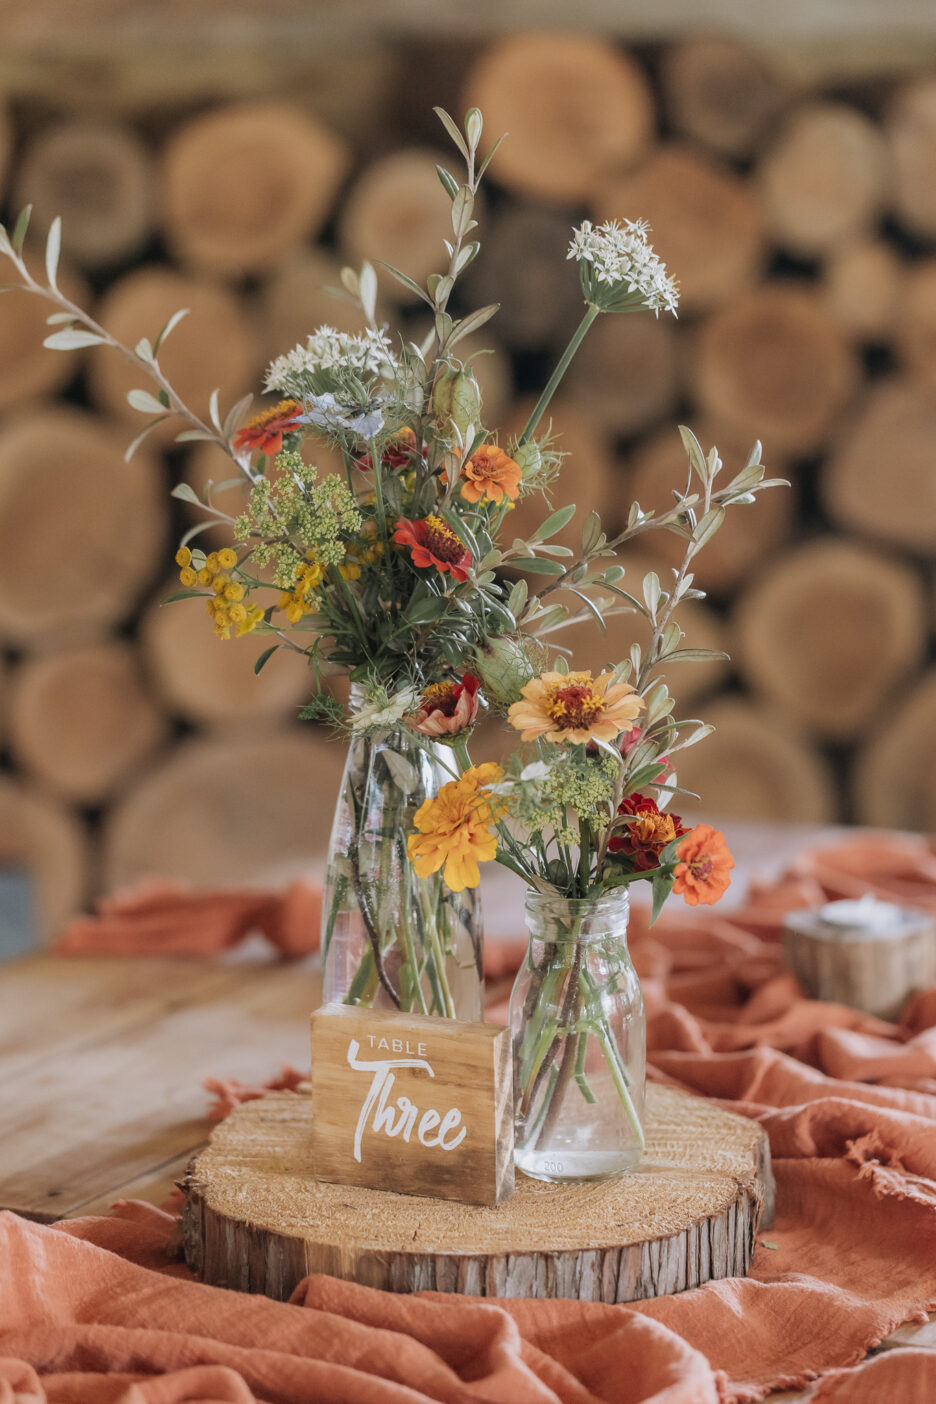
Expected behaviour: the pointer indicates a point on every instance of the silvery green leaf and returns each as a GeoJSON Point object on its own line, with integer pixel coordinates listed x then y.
{"type": "Point", "coordinates": [20, 228]}
{"type": "Point", "coordinates": [489, 157]}
{"type": "Point", "coordinates": [694, 450]}
{"type": "Point", "coordinates": [142, 400]}
{"type": "Point", "coordinates": [170, 327]}
{"type": "Point", "coordinates": [553, 618]}
{"type": "Point", "coordinates": [350, 281]}
{"type": "Point", "coordinates": [518, 596]}
{"type": "Point", "coordinates": [368, 289]}
{"type": "Point", "coordinates": [744, 498]}
{"type": "Point", "coordinates": [59, 319]}
{"type": "Point", "coordinates": [746, 479]}
{"type": "Point", "coordinates": [462, 206]}
{"type": "Point", "coordinates": [406, 281]}
{"type": "Point", "coordinates": [613, 574]}
{"type": "Point", "coordinates": [235, 414]}
{"type": "Point", "coordinates": [53, 249]}
{"type": "Point", "coordinates": [452, 128]}
{"type": "Point", "coordinates": [593, 610]}
{"type": "Point", "coordinates": [535, 565]}
{"type": "Point", "coordinates": [635, 656]}
{"type": "Point", "coordinates": [561, 666]}
{"type": "Point", "coordinates": [143, 349]}
{"type": "Point", "coordinates": [402, 772]}
{"type": "Point", "coordinates": [5, 246]}
{"type": "Point", "coordinates": [651, 592]}
{"type": "Point", "coordinates": [141, 436]}
{"type": "Point", "coordinates": [707, 526]}
{"type": "Point", "coordinates": [713, 463]}
{"type": "Point", "coordinates": [195, 530]}
{"type": "Point", "coordinates": [474, 125]}
{"type": "Point", "coordinates": [591, 532]}
{"type": "Point", "coordinates": [214, 410]}
{"type": "Point", "coordinates": [466, 256]}
{"type": "Point", "coordinates": [185, 493]}
{"type": "Point", "coordinates": [552, 550]}
{"type": "Point", "coordinates": [671, 636]}
{"type": "Point", "coordinates": [696, 655]}
{"type": "Point", "coordinates": [449, 183]}
{"type": "Point", "coordinates": [189, 436]}
{"type": "Point", "coordinates": [554, 523]}
{"type": "Point", "coordinates": [756, 454]}
{"type": "Point", "coordinates": [72, 339]}
{"type": "Point", "coordinates": [474, 321]}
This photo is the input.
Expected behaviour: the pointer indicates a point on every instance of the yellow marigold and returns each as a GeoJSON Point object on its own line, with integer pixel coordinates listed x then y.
{"type": "Point", "coordinates": [187, 576]}
{"type": "Point", "coordinates": [183, 557]}
{"type": "Point", "coordinates": [227, 558]}
{"type": "Point", "coordinates": [455, 828]}
{"type": "Point", "coordinates": [574, 708]}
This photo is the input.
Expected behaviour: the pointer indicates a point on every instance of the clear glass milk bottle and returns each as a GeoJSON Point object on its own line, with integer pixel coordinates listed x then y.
{"type": "Point", "coordinates": [579, 1040]}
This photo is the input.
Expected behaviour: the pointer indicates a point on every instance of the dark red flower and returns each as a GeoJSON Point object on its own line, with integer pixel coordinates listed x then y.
{"type": "Point", "coordinates": [647, 832]}
{"type": "Point", "coordinates": [399, 452]}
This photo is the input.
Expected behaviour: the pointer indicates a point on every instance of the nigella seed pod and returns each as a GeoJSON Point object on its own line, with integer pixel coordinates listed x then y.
{"type": "Point", "coordinates": [505, 665]}
{"type": "Point", "coordinates": [456, 400]}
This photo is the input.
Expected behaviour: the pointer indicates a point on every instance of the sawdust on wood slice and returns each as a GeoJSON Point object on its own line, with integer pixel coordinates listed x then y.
{"type": "Point", "coordinates": [576, 109]}
{"type": "Point", "coordinates": [245, 185]}
{"type": "Point", "coordinates": [879, 480]}
{"type": "Point", "coordinates": [50, 842]}
{"type": "Point", "coordinates": [706, 222]}
{"type": "Point", "coordinates": [893, 783]}
{"type": "Point", "coordinates": [213, 347]}
{"type": "Point", "coordinates": [627, 375]}
{"type": "Point", "coordinates": [825, 180]}
{"type": "Point", "coordinates": [756, 766]}
{"type": "Point", "coordinates": [228, 809]}
{"type": "Point", "coordinates": [862, 288]}
{"type": "Point", "coordinates": [398, 212]}
{"type": "Point", "coordinates": [99, 177]}
{"type": "Point", "coordinates": [205, 679]}
{"type": "Point", "coordinates": [829, 632]}
{"type": "Point", "coordinates": [80, 529]}
{"type": "Point", "coordinates": [774, 366]}
{"type": "Point", "coordinates": [749, 534]}
{"type": "Point", "coordinates": [257, 1220]}
{"type": "Point", "coordinates": [81, 721]}
{"type": "Point", "coordinates": [721, 92]}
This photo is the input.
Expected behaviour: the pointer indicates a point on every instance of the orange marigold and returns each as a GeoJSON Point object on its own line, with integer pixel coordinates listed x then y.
{"type": "Point", "coordinates": [704, 866]}
{"type": "Point", "coordinates": [489, 474]}
{"type": "Point", "coordinates": [265, 431]}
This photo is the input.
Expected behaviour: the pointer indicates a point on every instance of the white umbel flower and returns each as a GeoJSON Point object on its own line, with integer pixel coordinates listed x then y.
{"type": "Point", "coordinates": [385, 714]}
{"type": "Point", "coordinates": [620, 270]}
{"type": "Point", "coordinates": [367, 354]}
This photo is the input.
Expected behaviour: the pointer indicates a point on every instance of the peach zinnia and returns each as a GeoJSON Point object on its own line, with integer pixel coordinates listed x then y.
{"type": "Point", "coordinates": [703, 870]}
{"type": "Point", "coordinates": [489, 474]}
{"type": "Point", "coordinates": [265, 431]}
{"type": "Point", "coordinates": [432, 542]}
{"type": "Point", "coordinates": [574, 708]}
{"type": "Point", "coordinates": [447, 708]}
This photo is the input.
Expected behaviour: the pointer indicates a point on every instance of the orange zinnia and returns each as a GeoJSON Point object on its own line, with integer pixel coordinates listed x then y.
{"type": "Point", "coordinates": [490, 474]}
{"type": "Point", "coordinates": [432, 542]}
{"type": "Point", "coordinates": [265, 431]}
{"type": "Point", "coordinates": [574, 708]}
{"type": "Point", "coordinates": [702, 872]}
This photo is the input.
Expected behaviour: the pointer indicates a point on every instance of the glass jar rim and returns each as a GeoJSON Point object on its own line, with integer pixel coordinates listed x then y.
{"type": "Point", "coordinates": [544, 906]}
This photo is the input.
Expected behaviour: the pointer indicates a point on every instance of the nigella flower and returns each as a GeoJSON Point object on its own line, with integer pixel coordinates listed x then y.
{"type": "Point", "coordinates": [325, 411]}
{"type": "Point", "coordinates": [619, 269]}
{"type": "Point", "coordinates": [368, 354]}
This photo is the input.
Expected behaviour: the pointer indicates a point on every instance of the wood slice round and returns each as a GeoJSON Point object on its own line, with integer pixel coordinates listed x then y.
{"type": "Point", "coordinates": [879, 480]}
{"type": "Point", "coordinates": [911, 129]}
{"type": "Point", "coordinates": [756, 766]}
{"type": "Point", "coordinates": [83, 720]}
{"type": "Point", "coordinates": [863, 285]}
{"type": "Point", "coordinates": [721, 93]}
{"type": "Point", "coordinates": [296, 301]}
{"type": "Point", "coordinates": [774, 366]}
{"type": "Point", "coordinates": [894, 781]}
{"type": "Point", "coordinates": [214, 346]}
{"type": "Point", "coordinates": [99, 178]}
{"type": "Point", "coordinates": [80, 529]}
{"type": "Point", "coordinates": [245, 185]}
{"type": "Point", "coordinates": [206, 679]}
{"type": "Point", "coordinates": [257, 1220]}
{"type": "Point", "coordinates": [831, 668]}
{"type": "Point", "coordinates": [233, 807]}
{"type": "Point", "coordinates": [749, 535]}
{"type": "Point", "coordinates": [707, 226]}
{"type": "Point", "coordinates": [825, 180]}
{"type": "Point", "coordinates": [524, 253]}
{"type": "Point", "coordinates": [397, 211]}
{"type": "Point", "coordinates": [915, 330]}
{"type": "Point", "coordinates": [627, 375]}
{"type": "Point", "coordinates": [574, 106]}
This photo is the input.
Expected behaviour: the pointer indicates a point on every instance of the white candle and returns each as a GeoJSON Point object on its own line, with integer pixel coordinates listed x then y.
{"type": "Point", "coordinates": [865, 914]}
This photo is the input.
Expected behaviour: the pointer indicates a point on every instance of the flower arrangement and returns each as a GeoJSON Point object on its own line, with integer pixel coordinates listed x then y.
{"type": "Point", "coordinates": [403, 571]}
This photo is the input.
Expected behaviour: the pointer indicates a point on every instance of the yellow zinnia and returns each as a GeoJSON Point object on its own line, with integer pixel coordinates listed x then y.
{"type": "Point", "coordinates": [574, 708]}
{"type": "Point", "coordinates": [455, 830]}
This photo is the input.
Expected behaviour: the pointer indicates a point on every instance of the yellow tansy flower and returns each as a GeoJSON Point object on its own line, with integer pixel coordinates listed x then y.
{"type": "Point", "coordinates": [183, 557]}
{"type": "Point", "coordinates": [227, 558]}
{"type": "Point", "coordinates": [187, 576]}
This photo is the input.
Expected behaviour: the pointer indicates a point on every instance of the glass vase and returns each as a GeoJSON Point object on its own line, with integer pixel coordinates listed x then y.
{"type": "Point", "coordinates": [579, 1041]}
{"type": "Point", "coordinates": [392, 940]}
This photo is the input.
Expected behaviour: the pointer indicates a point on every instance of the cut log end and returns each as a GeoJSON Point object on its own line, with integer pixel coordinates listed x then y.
{"type": "Point", "coordinates": [257, 1220]}
{"type": "Point", "coordinates": [721, 93]}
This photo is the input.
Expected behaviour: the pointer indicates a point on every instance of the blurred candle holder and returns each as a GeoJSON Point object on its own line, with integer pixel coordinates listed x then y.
{"type": "Point", "coordinates": [868, 954]}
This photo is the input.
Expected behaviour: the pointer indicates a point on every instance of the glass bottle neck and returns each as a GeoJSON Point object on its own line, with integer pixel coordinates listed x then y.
{"type": "Point", "coordinates": [574, 920]}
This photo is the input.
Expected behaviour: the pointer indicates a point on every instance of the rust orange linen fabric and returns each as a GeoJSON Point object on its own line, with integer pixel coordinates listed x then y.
{"type": "Point", "coordinates": [849, 1103]}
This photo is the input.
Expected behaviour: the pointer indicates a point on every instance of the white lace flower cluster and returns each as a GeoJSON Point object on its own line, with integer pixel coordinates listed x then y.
{"type": "Point", "coordinates": [619, 268]}
{"type": "Point", "coordinates": [367, 354]}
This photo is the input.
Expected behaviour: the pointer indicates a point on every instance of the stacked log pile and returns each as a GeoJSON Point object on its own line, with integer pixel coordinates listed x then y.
{"type": "Point", "coordinates": [802, 226]}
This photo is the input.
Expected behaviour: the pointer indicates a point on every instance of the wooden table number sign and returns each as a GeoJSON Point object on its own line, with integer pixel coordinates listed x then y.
{"type": "Point", "coordinates": [412, 1104]}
